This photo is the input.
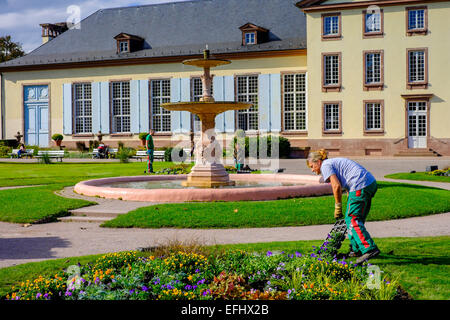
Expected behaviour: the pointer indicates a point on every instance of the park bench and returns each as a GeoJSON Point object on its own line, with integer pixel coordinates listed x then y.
{"type": "Point", "coordinates": [14, 154]}
{"type": "Point", "coordinates": [159, 155]}
{"type": "Point", "coordinates": [58, 154]}
{"type": "Point", "coordinates": [112, 152]}
{"type": "Point", "coordinates": [140, 154]}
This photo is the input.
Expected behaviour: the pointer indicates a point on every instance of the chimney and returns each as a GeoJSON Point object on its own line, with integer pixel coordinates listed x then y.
{"type": "Point", "coordinates": [52, 30]}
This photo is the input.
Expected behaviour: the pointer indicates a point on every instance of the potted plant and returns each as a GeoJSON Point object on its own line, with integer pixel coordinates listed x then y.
{"type": "Point", "coordinates": [57, 137]}
{"type": "Point", "coordinates": [143, 137]}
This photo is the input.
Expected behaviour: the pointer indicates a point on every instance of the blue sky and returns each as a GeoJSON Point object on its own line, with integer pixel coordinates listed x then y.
{"type": "Point", "coordinates": [21, 18]}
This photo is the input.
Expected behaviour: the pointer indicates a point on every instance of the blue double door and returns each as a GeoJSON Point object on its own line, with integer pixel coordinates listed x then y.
{"type": "Point", "coordinates": [36, 99]}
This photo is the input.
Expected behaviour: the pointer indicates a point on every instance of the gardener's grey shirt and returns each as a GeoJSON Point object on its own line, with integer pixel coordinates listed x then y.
{"type": "Point", "coordinates": [350, 174]}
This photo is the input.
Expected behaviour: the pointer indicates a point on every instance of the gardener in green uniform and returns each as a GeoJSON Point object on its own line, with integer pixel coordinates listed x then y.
{"type": "Point", "coordinates": [150, 148]}
{"type": "Point", "coordinates": [346, 174]}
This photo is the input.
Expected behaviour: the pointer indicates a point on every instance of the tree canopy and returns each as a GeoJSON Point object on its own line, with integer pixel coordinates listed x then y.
{"type": "Point", "coordinates": [9, 50]}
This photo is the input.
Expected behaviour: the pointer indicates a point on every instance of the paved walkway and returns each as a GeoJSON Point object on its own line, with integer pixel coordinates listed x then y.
{"type": "Point", "coordinates": [22, 244]}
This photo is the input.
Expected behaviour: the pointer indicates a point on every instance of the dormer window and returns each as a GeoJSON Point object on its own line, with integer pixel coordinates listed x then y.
{"type": "Point", "coordinates": [253, 34]}
{"type": "Point", "coordinates": [250, 38]}
{"type": "Point", "coordinates": [123, 46]}
{"type": "Point", "coordinates": [127, 43]}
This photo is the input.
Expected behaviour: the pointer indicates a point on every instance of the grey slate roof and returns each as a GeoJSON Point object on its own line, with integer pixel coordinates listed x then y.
{"type": "Point", "coordinates": [174, 29]}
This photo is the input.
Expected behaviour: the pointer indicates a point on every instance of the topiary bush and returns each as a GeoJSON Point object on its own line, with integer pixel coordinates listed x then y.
{"type": "Point", "coordinates": [57, 137]}
{"type": "Point", "coordinates": [143, 135]}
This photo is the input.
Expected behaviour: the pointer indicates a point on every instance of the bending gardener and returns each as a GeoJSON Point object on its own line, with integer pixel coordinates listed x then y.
{"type": "Point", "coordinates": [346, 174]}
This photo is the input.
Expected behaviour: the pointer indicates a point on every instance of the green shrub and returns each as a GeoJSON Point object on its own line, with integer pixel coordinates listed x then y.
{"type": "Point", "coordinates": [57, 137]}
{"type": "Point", "coordinates": [13, 143]}
{"type": "Point", "coordinates": [91, 145]}
{"type": "Point", "coordinates": [35, 148]}
{"type": "Point", "coordinates": [4, 150]}
{"type": "Point", "coordinates": [45, 159]}
{"type": "Point", "coordinates": [124, 154]}
{"type": "Point", "coordinates": [283, 144]}
{"type": "Point", "coordinates": [143, 135]}
{"type": "Point", "coordinates": [81, 146]}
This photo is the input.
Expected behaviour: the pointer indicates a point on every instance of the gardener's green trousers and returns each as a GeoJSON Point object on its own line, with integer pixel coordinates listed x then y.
{"type": "Point", "coordinates": [358, 207]}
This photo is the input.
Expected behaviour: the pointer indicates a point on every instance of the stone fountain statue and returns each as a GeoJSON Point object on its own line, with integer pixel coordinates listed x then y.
{"type": "Point", "coordinates": [208, 171]}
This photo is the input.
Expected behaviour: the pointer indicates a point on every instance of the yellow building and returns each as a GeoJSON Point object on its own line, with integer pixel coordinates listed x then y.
{"type": "Point", "coordinates": [370, 83]}
{"type": "Point", "coordinates": [376, 76]}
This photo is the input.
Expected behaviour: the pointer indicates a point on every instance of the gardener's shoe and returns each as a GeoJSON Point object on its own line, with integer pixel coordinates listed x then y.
{"type": "Point", "coordinates": [350, 254]}
{"type": "Point", "coordinates": [368, 255]}
{"type": "Point", "coordinates": [353, 254]}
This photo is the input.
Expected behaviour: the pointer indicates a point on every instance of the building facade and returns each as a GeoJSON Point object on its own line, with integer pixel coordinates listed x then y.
{"type": "Point", "coordinates": [376, 76]}
{"type": "Point", "coordinates": [354, 77]}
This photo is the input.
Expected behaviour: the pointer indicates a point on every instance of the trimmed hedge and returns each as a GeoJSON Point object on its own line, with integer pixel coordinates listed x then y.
{"type": "Point", "coordinates": [255, 143]}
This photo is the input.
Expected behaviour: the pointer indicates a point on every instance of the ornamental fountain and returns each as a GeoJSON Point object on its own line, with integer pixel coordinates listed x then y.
{"type": "Point", "coordinates": [207, 172]}
{"type": "Point", "coordinates": [208, 180]}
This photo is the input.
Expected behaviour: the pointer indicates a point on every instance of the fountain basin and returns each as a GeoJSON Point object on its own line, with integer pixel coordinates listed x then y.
{"type": "Point", "coordinates": [206, 107]}
{"type": "Point", "coordinates": [298, 186]}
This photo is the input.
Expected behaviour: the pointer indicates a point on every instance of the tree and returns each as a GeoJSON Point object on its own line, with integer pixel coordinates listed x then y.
{"type": "Point", "coordinates": [9, 50]}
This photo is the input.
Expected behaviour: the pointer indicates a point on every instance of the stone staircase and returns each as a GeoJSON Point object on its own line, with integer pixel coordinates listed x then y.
{"type": "Point", "coordinates": [96, 213]}
{"type": "Point", "coordinates": [104, 210]}
{"type": "Point", "coordinates": [418, 153]}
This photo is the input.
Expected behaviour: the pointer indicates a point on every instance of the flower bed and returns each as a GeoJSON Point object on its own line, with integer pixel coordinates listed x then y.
{"type": "Point", "coordinates": [184, 275]}
{"type": "Point", "coordinates": [444, 172]}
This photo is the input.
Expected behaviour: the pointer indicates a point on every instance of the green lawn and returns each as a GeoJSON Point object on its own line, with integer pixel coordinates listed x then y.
{"type": "Point", "coordinates": [418, 176]}
{"type": "Point", "coordinates": [22, 174]}
{"type": "Point", "coordinates": [422, 265]}
{"type": "Point", "coordinates": [40, 204]}
{"type": "Point", "coordinates": [392, 201]}
{"type": "Point", "coordinates": [36, 204]}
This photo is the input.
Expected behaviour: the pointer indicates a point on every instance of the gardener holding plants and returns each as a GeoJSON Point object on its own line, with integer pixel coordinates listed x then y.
{"type": "Point", "coordinates": [150, 148]}
{"type": "Point", "coordinates": [346, 174]}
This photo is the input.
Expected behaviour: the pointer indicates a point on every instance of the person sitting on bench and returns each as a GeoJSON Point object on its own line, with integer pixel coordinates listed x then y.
{"type": "Point", "coordinates": [21, 151]}
{"type": "Point", "coordinates": [103, 151]}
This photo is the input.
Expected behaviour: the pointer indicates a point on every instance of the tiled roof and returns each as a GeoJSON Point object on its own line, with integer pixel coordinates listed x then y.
{"type": "Point", "coordinates": [174, 29]}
